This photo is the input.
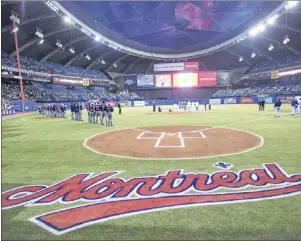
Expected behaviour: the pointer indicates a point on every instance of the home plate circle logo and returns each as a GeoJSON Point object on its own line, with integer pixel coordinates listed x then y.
{"type": "Point", "coordinates": [173, 142]}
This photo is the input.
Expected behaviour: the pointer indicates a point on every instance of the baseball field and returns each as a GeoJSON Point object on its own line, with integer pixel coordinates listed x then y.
{"type": "Point", "coordinates": [61, 180]}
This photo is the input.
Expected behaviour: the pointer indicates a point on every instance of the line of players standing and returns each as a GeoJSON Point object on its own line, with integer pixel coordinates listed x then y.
{"type": "Point", "coordinates": [296, 106]}
{"type": "Point", "coordinates": [99, 113]}
{"type": "Point", "coordinates": [53, 110]}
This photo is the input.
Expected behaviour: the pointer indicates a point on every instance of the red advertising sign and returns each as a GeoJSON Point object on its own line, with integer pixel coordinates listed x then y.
{"type": "Point", "coordinates": [191, 66]}
{"type": "Point", "coordinates": [207, 79]}
{"type": "Point", "coordinates": [244, 100]}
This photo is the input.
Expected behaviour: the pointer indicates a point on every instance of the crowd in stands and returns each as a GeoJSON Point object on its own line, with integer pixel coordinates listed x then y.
{"type": "Point", "coordinates": [28, 65]}
{"type": "Point", "coordinates": [289, 61]}
{"type": "Point", "coordinates": [253, 91]}
{"type": "Point", "coordinates": [38, 92]}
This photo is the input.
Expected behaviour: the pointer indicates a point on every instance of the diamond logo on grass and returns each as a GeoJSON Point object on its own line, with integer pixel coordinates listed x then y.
{"type": "Point", "coordinates": [110, 197]}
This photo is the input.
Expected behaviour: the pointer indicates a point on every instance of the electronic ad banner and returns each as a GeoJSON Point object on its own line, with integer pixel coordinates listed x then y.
{"type": "Point", "coordinates": [183, 66]}
{"type": "Point", "coordinates": [191, 66]}
{"type": "Point", "coordinates": [214, 101]}
{"type": "Point", "coordinates": [207, 79]}
{"type": "Point", "coordinates": [286, 99]}
{"type": "Point", "coordinates": [268, 100]}
{"type": "Point", "coordinates": [86, 82]}
{"type": "Point", "coordinates": [130, 82]}
{"type": "Point", "coordinates": [163, 80]}
{"type": "Point", "coordinates": [139, 103]}
{"type": "Point", "coordinates": [67, 80]}
{"type": "Point", "coordinates": [145, 81]}
{"type": "Point", "coordinates": [246, 100]}
{"type": "Point", "coordinates": [224, 78]}
{"type": "Point", "coordinates": [230, 101]}
{"type": "Point", "coordinates": [185, 80]}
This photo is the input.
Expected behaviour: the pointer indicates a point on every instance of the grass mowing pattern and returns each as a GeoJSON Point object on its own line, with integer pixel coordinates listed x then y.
{"type": "Point", "coordinates": [42, 150]}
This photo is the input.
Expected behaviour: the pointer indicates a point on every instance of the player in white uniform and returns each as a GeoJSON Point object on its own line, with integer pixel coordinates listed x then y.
{"type": "Point", "coordinates": [197, 106]}
{"type": "Point", "coordinates": [188, 106]}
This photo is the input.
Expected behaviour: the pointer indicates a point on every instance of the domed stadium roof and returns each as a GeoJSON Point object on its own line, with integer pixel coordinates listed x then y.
{"type": "Point", "coordinates": [132, 36]}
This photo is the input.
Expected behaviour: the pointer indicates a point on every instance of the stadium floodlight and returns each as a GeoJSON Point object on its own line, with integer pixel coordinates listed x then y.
{"type": "Point", "coordinates": [261, 27]}
{"type": "Point", "coordinates": [67, 19]}
{"type": "Point", "coordinates": [272, 19]}
{"type": "Point", "coordinates": [291, 4]}
{"type": "Point", "coordinates": [102, 61]}
{"type": "Point", "coordinates": [14, 17]}
{"type": "Point", "coordinates": [97, 38]}
{"type": "Point", "coordinates": [14, 30]}
{"type": "Point", "coordinates": [286, 39]}
{"type": "Point", "coordinates": [41, 41]}
{"type": "Point", "coordinates": [59, 44]}
{"type": "Point", "coordinates": [241, 59]}
{"type": "Point", "coordinates": [71, 50]}
{"type": "Point", "coordinates": [253, 31]}
{"type": "Point", "coordinates": [115, 65]}
{"type": "Point", "coordinates": [271, 47]}
{"type": "Point", "coordinates": [88, 57]}
{"type": "Point", "coordinates": [253, 54]}
{"type": "Point", "coordinates": [39, 33]}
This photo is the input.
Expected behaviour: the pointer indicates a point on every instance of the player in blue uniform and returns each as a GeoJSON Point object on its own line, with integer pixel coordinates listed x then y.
{"type": "Point", "coordinates": [277, 106]}
{"type": "Point", "coordinates": [294, 106]}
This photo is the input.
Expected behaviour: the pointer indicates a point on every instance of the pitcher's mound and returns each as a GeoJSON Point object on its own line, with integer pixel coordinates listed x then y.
{"type": "Point", "coordinates": [173, 142]}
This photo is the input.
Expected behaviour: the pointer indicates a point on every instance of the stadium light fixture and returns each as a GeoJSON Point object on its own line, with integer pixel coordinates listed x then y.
{"type": "Point", "coordinates": [97, 38]}
{"type": "Point", "coordinates": [272, 19]}
{"type": "Point", "coordinates": [59, 44]}
{"type": "Point", "coordinates": [271, 47]}
{"type": "Point", "coordinates": [39, 33]}
{"type": "Point", "coordinates": [115, 65]}
{"type": "Point", "coordinates": [41, 41]}
{"type": "Point", "coordinates": [261, 27]}
{"type": "Point", "coordinates": [253, 54]}
{"type": "Point", "coordinates": [241, 59]}
{"type": "Point", "coordinates": [67, 19]}
{"type": "Point", "coordinates": [14, 17]}
{"type": "Point", "coordinates": [102, 61]}
{"type": "Point", "coordinates": [14, 30]}
{"type": "Point", "coordinates": [291, 4]}
{"type": "Point", "coordinates": [88, 57]}
{"type": "Point", "coordinates": [71, 50]}
{"type": "Point", "coordinates": [286, 39]}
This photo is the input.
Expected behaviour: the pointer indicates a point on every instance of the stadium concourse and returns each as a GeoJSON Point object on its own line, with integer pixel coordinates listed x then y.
{"type": "Point", "coordinates": [147, 120]}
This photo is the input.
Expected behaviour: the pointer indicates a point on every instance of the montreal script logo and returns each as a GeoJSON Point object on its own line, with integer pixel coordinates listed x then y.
{"type": "Point", "coordinates": [110, 197]}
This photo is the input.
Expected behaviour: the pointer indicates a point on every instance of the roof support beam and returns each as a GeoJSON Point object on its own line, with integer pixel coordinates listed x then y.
{"type": "Point", "coordinates": [53, 52]}
{"type": "Point", "coordinates": [282, 26]}
{"type": "Point", "coordinates": [42, 17]}
{"type": "Point", "coordinates": [281, 45]}
{"type": "Point", "coordinates": [131, 65]}
{"type": "Point", "coordinates": [98, 59]}
{"type": "Point", "coordinates": [36, 39]}
{"type": "Point", "coordinates": [149, 66]}
{"type": "Point", "coordinates": [116, 62]}
{"type": "Point", "coordinates": [238, 56]}
{"type": "Point", "coordinates": [260, 52]}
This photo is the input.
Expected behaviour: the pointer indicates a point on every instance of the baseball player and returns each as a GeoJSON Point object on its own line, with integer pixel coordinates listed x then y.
{"type": "Point", "coordinates": [89, 114]}
{"type": "Point", "coordinates": [294, 105]}
{"type": "Point", "coordinates": [277, 106]}
{"type": "Point", "coordinates": [197, 106]}
{"type": "Point", "coordinates": [97, 113]}
{"type": "Point", "coordinates": [299, 106]}
{"type": "Point", "coordinates": [80, 113]}
{"type": "Point", "coordinates": [104, 113]}
{"type": "Point", "coordinates": [119, 108]}
{"type": "Point", "coordinates": [109, 110]}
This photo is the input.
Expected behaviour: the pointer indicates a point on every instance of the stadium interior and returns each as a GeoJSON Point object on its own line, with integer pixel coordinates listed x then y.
{"type": "Point", "coordinates": [226, 57]}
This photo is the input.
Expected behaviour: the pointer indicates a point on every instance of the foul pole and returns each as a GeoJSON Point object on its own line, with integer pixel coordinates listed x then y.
{"type": "Point", "coordinates": [19, 65]}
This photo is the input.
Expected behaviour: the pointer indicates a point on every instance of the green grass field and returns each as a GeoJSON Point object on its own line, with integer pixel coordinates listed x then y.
{"type": "Point", "coordinates": [42, 150]}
